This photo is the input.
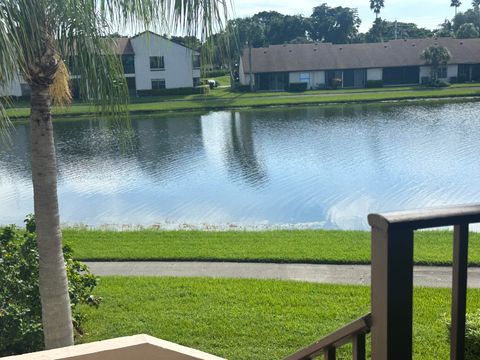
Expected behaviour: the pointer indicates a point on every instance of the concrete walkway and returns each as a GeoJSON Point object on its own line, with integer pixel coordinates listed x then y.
{"type": "Point", "coordinates": [430, 276]}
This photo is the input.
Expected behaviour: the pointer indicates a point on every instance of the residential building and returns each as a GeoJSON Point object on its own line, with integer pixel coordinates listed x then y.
{"type": "Point", "coordinates": [396, 62]}
{"type": "Point", "coordinates": [150, 61]}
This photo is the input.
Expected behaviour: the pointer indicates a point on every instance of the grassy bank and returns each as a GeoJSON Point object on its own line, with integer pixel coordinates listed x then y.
{"type": "Point", "coordinates": [252, 319]}
{"type": "Point", "coordinates": [302, 246]}
{"type": "Point", "coordinates": [226, 99]}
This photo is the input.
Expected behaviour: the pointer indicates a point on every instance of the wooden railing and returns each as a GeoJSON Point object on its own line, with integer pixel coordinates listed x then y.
{"type": "Point", "coordinates": [354, 333]}
{"type": "Point", "coordinates": [392, 283]}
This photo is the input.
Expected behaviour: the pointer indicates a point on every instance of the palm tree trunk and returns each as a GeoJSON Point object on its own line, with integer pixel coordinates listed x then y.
{"type": "Point", "coordinates": [56, 312]}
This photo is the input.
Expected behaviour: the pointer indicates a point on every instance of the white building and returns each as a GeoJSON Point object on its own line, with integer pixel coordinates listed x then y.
{"type": "Point", "coordinates": [396, 62]}
{"type": "Point", "coordinates": [150, 61]}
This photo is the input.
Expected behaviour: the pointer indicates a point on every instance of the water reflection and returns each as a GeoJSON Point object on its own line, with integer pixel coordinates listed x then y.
{"type": "Point", "coordinates": [313, 166]}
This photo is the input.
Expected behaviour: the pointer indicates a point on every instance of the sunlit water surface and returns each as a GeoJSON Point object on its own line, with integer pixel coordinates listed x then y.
{"type": "Point", "coordinates": [319, 167]}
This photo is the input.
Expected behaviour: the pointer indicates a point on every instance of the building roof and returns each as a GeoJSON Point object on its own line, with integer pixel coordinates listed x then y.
{"type": "Point", "coordinates": [327, 56]}
{"type": "Point", "coordinates": [124, 46]}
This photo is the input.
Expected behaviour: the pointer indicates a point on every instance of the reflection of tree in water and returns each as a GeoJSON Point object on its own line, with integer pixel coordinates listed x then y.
{"type": "Point", "coordinates": [240, 151]}
{"type": "Point", "coordinates": [14, 157]}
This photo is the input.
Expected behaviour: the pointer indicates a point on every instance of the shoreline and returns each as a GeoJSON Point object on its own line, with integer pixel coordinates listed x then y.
{"type": "Point", "coordinates": [191, 106]}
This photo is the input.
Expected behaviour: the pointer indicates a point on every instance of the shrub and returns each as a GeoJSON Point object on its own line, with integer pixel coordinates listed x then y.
{"type": "Point", "coordinates": [453, 80]}
{"type": "Point", "coordinates": [374, 84]}
{"type": "Point", "coordinates": [336, 82]}
{"type": "Point", "coordinates": [20, 307]}
{"type": "Point", "coordinates": [297, 87]}
{"type": "Point", "coordinates": [242, 88]}
{"type": "Point", "coordinates": [216, 73]}
{"type": "Point", "coordinates": [461, 79]}
{"type": "Point", "coordinates": [472, 335]}
{"type": "Point", "coordinates": [177, 91]}
{"type": "Point", "coordinates": [439, 84]}
{"type": "Point", "coordinates": [425, 80]}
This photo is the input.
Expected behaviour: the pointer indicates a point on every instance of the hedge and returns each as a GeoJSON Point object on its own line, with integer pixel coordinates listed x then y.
{"type": "Point", "coordinates": [297, 87]}
{"type": "Point", "coordinates": [374, 84]}
{"type": "Point", "coordinates": [177, 91]}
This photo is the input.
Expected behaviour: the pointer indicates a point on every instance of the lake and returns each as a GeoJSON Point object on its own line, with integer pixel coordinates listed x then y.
{"type": "Point", "coordinates": [305, 167]}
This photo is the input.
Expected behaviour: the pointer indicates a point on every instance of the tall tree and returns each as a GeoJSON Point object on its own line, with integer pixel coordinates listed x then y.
{"type": "Point", "coordinates": [467, 31]}
{"type": "Point", "coordinates": [376, 6]}
{"type": "Point", "coordinates": [39, 41]}
{"type": "Point", "coordinates": [456, 4]}
{"type": "Point", "coordinates": [435, 57]}
{"type": "Point", "coordinates": [338, 25]}
{"type": "Point", "coordinates": [476, 4]}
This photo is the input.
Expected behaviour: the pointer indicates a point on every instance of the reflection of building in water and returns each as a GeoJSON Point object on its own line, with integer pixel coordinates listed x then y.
{"type": "Point", "coordinates": [228, 141]}
{"type": "Point", "coordinates": [168, 143]}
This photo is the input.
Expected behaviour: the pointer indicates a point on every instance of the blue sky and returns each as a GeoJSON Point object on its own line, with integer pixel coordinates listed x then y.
{"type": "Point", "coordinates": [427, 13]}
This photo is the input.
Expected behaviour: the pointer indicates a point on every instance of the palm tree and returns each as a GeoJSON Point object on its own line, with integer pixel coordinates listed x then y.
{"type": "Point", "coordinates": [456, 4]}
{"type": "Point", "coordinates": [39, 41]}
{"type": "Point", "coordinates": [435, 57]}
{"type": "Point", "coordinates": [376, 6]}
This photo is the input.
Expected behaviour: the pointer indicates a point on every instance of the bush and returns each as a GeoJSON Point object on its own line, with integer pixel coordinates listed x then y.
{"type": "Point", "coordinates": [374, 84]}
{"type": "Point", "coordinates": [439, 84]}
{"type": "Point", "coordinates": [472, 335]}
{"type": "Point", "coordinates": [336, 82]}
{"type": "Point", "coordinates": [297, 87]}
{"type": "Point", "coordinates": [177, 91]}
{"type": "Point", "coordinates": [216, 73]}
{"type": "Point", "coordinates": [453, 80]}
{"type": "Point", "coordinates": [461, 79]}
{"type": "Point", "coordinates": [20, 307]}
{"type": "Point", "coordinates": [425, 80]}
{"type": "Point", "coordinates": [242, 88]}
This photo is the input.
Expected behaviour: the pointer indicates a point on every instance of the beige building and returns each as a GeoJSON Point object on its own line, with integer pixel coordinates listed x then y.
{"type": "Point", "coordinates": [396, 62]}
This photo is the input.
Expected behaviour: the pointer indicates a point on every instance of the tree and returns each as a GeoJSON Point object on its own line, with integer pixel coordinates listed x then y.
{"type": "Point", "coordinates": [382, 30]}
{"type": "Point", "coordinates": [376, 6]}
{"type": "Point", "coordinates": [456, 4]}
{"type": "Point", "coordinates": [467, 31]}
{"type": "Point", "coordinates": [191, 41]}
{"type": "Point", "coordinates": [39, 41]}
{"type": "Point", "coordinates": [338, 25]}
{"type": "Point", "coordinates": [476, 4]}
{"type": "Point", "coordinates": [471, 16]}
{"type": "Point", "coordinates": [435, 57]}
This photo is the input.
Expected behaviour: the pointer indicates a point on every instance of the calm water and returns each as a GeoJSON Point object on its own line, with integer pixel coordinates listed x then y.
{"type": "Point", "coordinates": [309, 167]}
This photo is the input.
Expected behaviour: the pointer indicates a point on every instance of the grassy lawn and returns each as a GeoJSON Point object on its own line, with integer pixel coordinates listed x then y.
{"type": "Point", "coordinates": [302, 246]}
{"type": "Point", "coordinates": [252, 319]}
{"type": "Point", "coordinates": [224, 98]}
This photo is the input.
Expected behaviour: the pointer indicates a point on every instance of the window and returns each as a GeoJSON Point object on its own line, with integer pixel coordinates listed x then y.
{"type": "Point", "coordinates": [158, 84]}
{"type": "Point", "coordinates": [196, 61]}
{"type": "Point", "coordinates": [196, 81]}
{"type": "Point", "coordinates": [305, 77]}
{"type": "Point", "coordinates": [442, 72]}
{"type": "Point", "coordinates": [128, 62]}
{"type": "Point", "coordinates": [157, 63]}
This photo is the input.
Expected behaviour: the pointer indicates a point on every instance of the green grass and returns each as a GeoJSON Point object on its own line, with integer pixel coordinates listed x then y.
{"type": "Point", "coordinates": [302, 246]}
{"type": "Point", "coordinates": [252, 319]}
{"type": "Point", "coordinates": [224, 98]}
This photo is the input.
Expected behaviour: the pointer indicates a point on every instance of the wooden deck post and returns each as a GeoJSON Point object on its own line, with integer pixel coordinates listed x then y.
{"type": "Point", "coordinates": [392, 292]}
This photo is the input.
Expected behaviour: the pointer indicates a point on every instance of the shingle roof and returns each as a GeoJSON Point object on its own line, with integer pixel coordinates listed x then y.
{"type": "Point", "coordinates": [124, 46]}
{"type": "Point", "coordinates": [327, 56]}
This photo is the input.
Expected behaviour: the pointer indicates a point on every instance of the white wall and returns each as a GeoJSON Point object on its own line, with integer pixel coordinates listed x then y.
{"type": "Point", "coordinates": [452, 71]}
{"type": "Point", "coordinates": [375, 74]}
{"type": "Point", "coordinates": [242, 76]}
{"type": "Point", "coordinates": [317, 78]}
{"type": "Point", "coordinates": [178, 71]}
{"type": "Point", "coordinates": [12, 89]}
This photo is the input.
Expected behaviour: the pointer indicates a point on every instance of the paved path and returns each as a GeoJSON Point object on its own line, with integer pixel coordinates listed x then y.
{"type": "Point", "coordinates": [329, 274]}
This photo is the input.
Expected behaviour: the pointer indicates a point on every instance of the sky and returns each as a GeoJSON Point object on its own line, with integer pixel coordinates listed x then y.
{"type": "Point", "coordinates": [425, 13]}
